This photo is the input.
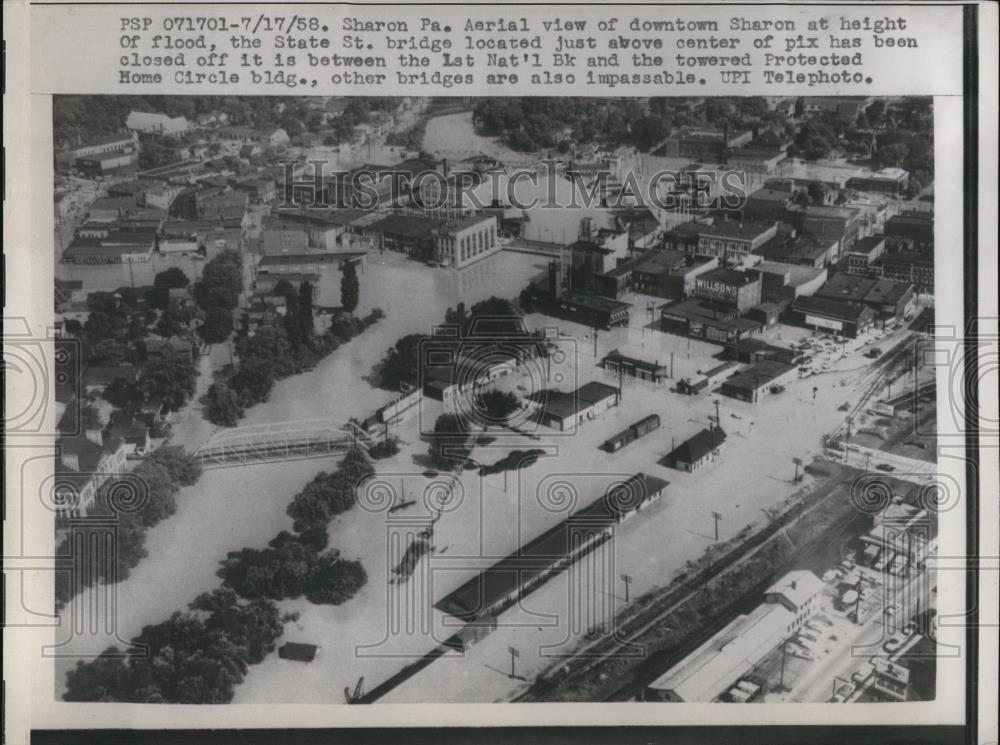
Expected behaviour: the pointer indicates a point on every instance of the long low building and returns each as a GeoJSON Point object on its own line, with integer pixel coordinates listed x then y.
{"type": "Point", "coordinates": [479, 602]}
{"type": "Point", "coordinates": [756, 380]}
{"type": "Point", "coordinates": [842, 317]}
{"type": "Point", "coordinates": [732, 653]}
{"type": "Point", "coordinates": [568, 410]}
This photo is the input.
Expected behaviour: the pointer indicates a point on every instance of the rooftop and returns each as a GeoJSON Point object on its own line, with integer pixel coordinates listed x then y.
{"type": "Point", "coordinates": [464, 223]}
{"type": "Point", "coordinates": [698, 446]}
{"type": "Point", "coordinates": [847, 287]}
{"type": "Point", "coordinates": [746, 230]}
{"type": "Point", "coordinates": [728, 655]}
{"type": "Point", "coordinates": [759, 375]}
{"type": "Point", "coordinates": [868, 244]}
{"type": "Point", "coordinates": [407, 226]}
{"type": "Point", "coordinates": [616, 356]}
{"type": "Point", "coordinates": [887, 292]}
{"type": "Point", "coordinates": [796, 587]}
{"type": "Point", "coordinates": [841, 310]}
{"type": "Point", "coordinates": [538, 556]}
{"type": "Point", "coordinates": [567, 404]}
{"type": "Point", "coordinates": [670, 262]}
{"type": "Point", "coordinates": [728, 276]}
{"type": "Point", "coordinates": [314, 258]}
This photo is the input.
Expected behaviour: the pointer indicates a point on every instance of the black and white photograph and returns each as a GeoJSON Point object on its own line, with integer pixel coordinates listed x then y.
{"type": "Point", "coordinates": [498, 399]}
{"type": "Point", "coordinates": [501, 373]}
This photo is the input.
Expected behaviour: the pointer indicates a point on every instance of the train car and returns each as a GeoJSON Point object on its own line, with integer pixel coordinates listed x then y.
{"type": "Point", "coordinates": [646, 425]}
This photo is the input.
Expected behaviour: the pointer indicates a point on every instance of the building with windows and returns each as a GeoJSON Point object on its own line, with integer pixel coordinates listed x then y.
{"type": "Point", "coordinates": [753, 160]}
{"type": "Point", "coordinates": [864, 253]}
{"type": "Point", "coordinates": [758, 380]}
{"type": "Point", "coordinates": [840, 317]}
{"type": "Point", "coordinates": [106, 144]}
{"type": "Point", "coordinates": [112, 247]}
{"type": "Point", "coordinates": [703, 319]}
{"type": "Point", "coordinates": [803, 249]}
{"type": "Point", "coordinates": [408, 234]}
{"type": "Point", "coordinates": [887, 180]}
{"type": "Point", "coordinates": [696, 451]}
{"type": "Point", "coordinates": [841, 224]}
{"type": "Point", "coordinates": [568, 410]}
{"type": "Point", "coordinates": [739, 290]}
{"type": "Point", "coordinates": [150, 122]}
{"type": "Point", "coordinates": [670, 274]}
{"type": "Point", "coordinates": [910, 231]}
{"type": "Point", "coordinates": [85, 463]}
{"type": "Point", "coordinates": [652, 372]}
{"type": "Point", "coordinates": [101, 165]}
{"type": "Point", "coordinates": [907, 266]}
{"type": "Point", "coordinates": [720, 662]}
{"type": "Point", "coordinates": [478, 603]}
{"type": "Point", "coordinates": [730, 240]}
{"type": "Point", "coordinates": [461, 242]}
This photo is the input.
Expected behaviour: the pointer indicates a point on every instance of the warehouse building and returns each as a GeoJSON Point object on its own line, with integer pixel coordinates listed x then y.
{"type": "Point", "coordinates": [480, 601]}
{"type": "Point", "coordinates": [758, 380]}
{"type": "Point", "coordinates": [568, 410]}
{"type": "Point", "coordinates": [615, 361]}
{"type": "Point", "coordinates": [850, 319]}
{"type": "Point", "coordinates": [732, 653]}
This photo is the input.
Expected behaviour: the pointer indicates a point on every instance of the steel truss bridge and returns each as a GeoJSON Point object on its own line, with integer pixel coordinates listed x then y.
{"type": "Point", "coordinates": [278, 441]}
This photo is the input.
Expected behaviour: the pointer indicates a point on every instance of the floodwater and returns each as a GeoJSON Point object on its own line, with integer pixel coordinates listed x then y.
{"type": "Point", "coordinates": [232, 508]}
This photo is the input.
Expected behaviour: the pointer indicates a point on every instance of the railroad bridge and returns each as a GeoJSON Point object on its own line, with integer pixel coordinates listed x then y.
{"type": "Point", "coordinates": [278, 441]}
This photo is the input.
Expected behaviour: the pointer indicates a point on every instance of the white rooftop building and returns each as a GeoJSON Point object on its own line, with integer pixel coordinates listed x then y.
{"type": "Point", "coordinates": [734, 651]}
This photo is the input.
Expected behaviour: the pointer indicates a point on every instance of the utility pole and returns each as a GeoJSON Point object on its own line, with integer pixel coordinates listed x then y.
{"type": "Point", "coordinates": [671, 365]}
{"type": "Point", "coordinates": [514, 654]}
{"type": "Point", "coordinates": [850, 421]}
{"type": "Point", "coordinates": [716, 516]}
{"type": "Point", "coordinates": [797, 462]}
{"type": "Point", "coordinates": [784, 648]}
{"type": "Point", "coordinates": [595, 341]}
{"type": "Point", "coordinates": [620, 370]}
{"type": "Point", "coordinates": [627, 579]}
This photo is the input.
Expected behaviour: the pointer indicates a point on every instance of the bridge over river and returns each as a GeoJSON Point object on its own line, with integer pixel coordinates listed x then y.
{"type": "Point", "coordinates": [278, 441]}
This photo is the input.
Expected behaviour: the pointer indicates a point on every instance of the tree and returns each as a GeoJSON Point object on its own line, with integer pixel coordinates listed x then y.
{"type": "Point", "coordinates": [172, 278]}
{"type": "Point", "coordinates": [218, 325]}
{"type": "Point", "coordinates": [175, 320]}
{"type": "Point", "coordinates": [817, 192]}
{"type": "Point", "coordinates": [183, 467]}
{"type": "Point", "coordinates": [304, 312]}
{"type": "Point", "coordinates": [334, 581]}
{"type": "Point", "coordinates": [497, 406]}
{"type": "Point", "coordinates": [221, 281]}
{"type": "Point", "coordinates": [109, 352]}
{"type": "Point", "coordinates": [171, 376]}
{"type": "Point", "coordinates": [349, 287]}
{"type": "Point", "coordinates": [224, 407]}
{"type": "Point", "coordinates": [449, 443]}
{"type": "Point", "coordinates": [401, 363]}
{"type": "Point", "coordinates": [649, 131]}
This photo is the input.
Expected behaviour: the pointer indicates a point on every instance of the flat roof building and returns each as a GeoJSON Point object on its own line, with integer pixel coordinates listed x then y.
{"type": "Point", "coordinates": [734, 651]}
{"type": "Point", "coordinates": [841, 317]}
{"type": "Point", "coordinates": [568, 410]}
{"type": "Point", "coordinates": [479, 601]}
{"type": "Point", "coordinates": [755, 381]}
